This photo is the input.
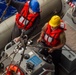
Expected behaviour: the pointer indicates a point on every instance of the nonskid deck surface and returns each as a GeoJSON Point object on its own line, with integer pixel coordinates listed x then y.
{"type": "Point", "coordinates": [71, 37]}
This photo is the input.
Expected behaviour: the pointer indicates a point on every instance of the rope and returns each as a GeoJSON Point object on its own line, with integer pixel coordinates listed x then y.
{"type": "Point", "coordinates": [4, 12]}
{"type": "Point", "coordinates": [34, 36]}
{"type": "Point", "coordinates": [49, 47]}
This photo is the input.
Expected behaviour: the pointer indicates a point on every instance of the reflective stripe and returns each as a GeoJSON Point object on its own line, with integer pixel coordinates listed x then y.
{"type": "Point", "coordinates": [62, 25]}
{"type": "Point", "coordinates": [21, 19]}
{"type": "Point", "coordinates": [50, 39]}
{"type": "Point", "coordinates": [18, 73]}
{"type": "Point", "coordinates": [26, 22]}
{"type": "Point", "coordinates": [46, 36]}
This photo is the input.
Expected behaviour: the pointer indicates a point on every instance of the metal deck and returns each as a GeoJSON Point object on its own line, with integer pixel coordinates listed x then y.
{"type": "Point", "coordinates": [71, 37]}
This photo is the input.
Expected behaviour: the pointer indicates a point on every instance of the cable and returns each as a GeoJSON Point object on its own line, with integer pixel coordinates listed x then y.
{"type": "Point", "coordinates": [73, 20]}
{"type": "Point", "coordinates": [47, 47]}
{"type": "Point", "coordinates": [14, 52]}
{"type": "Point", "coordinates": [4, 12]}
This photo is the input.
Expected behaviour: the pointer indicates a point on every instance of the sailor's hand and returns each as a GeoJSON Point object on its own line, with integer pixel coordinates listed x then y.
{"type": "Point", "coordinates": [17, 39]}
{"type": "Point", "coordinates": [39, 40]}
{"type": "Point", "coordinates": [50, 50]}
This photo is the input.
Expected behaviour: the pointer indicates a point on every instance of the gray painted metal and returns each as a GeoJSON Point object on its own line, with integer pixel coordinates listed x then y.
{"type": "Point", "coordinates": [39, 69]}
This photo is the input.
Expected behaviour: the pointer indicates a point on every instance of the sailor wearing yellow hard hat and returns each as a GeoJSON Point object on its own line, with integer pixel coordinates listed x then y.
{"type": "Point", "coordinates": [53, 36]}
{"type": "Point", "coordinates": [55, 21]}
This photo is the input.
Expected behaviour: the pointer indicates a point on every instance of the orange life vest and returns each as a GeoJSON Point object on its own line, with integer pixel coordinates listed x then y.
{"type": "Point", "coordinates": [50, 37]}
{"type": "Point", "coordinates": [13, 68]}
{"type": "Point", "coordinates": [24, 19]}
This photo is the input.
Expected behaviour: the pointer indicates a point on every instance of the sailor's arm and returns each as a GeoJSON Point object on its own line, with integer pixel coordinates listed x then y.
{"type": "Point", "coordinates": [42, 32]}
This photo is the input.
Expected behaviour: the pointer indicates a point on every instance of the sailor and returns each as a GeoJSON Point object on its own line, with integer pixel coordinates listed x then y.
{"type": "Point", "coordinates": [53, 37]}
{"type": "Point", "coordinates": [27, 18]}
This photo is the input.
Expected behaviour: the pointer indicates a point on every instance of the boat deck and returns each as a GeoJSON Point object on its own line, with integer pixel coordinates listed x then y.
{"type": "Point", "coordinates": [71, 37]}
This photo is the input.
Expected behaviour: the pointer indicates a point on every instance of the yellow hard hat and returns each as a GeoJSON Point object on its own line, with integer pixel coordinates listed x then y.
{"type": "Point", "coordinates": [55, 21]}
